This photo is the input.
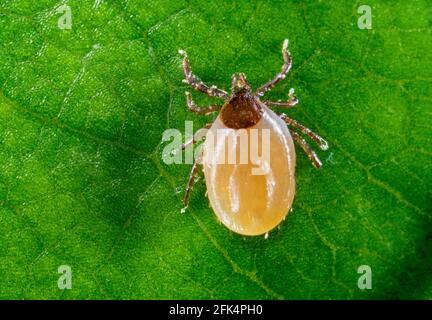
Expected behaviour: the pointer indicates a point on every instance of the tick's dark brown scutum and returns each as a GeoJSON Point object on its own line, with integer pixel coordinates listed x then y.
{"type": "Point", "coordinates": [241, 111]}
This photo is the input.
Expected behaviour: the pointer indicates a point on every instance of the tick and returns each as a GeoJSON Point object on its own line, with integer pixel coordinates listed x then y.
{"type": "Point", "coordinates": [245, 203]}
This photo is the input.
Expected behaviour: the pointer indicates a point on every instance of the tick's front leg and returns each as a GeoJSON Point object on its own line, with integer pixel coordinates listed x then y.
{"type": "Point", "coordinates": [191, 181]}
{"type": "Point", "coordinates": [198, 110]}
{"type": "Point", "coordinates": [280, 76]}
{"type": "Point", "coordinates": [191, 79]}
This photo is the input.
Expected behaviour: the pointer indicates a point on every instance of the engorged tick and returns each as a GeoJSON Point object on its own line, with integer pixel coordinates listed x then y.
{"type": "Point", "coordinates": [245, 203]}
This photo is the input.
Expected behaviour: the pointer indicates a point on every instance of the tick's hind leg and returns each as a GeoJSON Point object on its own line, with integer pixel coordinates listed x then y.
{"type": "Point", "coordinates": [191, 181]}
{"type": "Point", "coordinates": [191, 79]}
{"type": "Point", "coordinates": [302, 142]}
{"type": "Point", "coordinates": [307, 149]}
{"type": "Point", "coordinates": [281, 75]}
{"type": "Point", "coordinates": [322, 143]}
{"type": "Point", "coordinates": [198, 110]}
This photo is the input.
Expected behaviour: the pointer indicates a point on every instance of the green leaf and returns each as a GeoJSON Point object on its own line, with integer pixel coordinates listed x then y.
{"type": "Point", "coordinates": [82, 183]}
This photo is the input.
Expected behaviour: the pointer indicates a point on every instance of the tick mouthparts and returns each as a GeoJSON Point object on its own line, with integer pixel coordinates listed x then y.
{"type": "Point", "coordinates": [239, 82]}
{"type": "Point", "coordinates": [242, 78]}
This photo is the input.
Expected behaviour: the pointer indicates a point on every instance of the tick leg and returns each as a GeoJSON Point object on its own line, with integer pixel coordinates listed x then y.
{"type": "Point", "coordinates": [191, 79]}
{"type": "Point", "coordinates": [280, 76]}
{"type": "Point", "coordinates": [291, 122]}
{"type": "Point", "coordinates": [191, 181]}
{"type": "Point", "coordinates": [307, 149]}
{"type": "Point", "coordinates": [198, 136]}
{"type": "Point", "coordinates": [292, 101]}
{"type": "Point", "coordinates": [198, 110]}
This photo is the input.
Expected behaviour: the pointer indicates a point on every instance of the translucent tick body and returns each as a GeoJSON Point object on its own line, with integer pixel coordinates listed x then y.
{"type": "Point", "coordinates": [248, 203]}
{"type": "Point", "coordinates": [252, 194]}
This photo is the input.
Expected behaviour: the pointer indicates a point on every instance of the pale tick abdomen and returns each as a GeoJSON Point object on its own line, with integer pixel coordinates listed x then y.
{"type": "Point", "coordinates": [244, 201]}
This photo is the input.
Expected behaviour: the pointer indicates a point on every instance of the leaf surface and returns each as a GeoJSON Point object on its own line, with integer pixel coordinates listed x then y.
{"type": "Point", "coordinates": [82, 183]}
